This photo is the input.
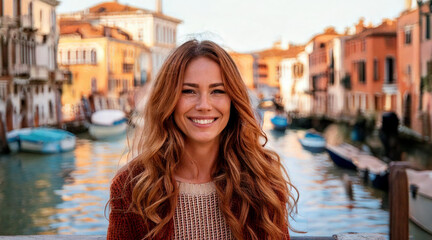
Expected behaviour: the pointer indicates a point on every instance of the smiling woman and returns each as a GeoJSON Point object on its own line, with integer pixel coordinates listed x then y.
{"type": "Point", "coordinates": [201, 170]}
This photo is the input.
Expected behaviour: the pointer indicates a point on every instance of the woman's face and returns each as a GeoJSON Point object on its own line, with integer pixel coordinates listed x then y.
{"type": "Point", "coordinates": [203, 109]}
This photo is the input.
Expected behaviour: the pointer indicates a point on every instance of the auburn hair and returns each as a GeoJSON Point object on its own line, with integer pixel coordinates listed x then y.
{"type": "Point", "coordinates": [256, 195]}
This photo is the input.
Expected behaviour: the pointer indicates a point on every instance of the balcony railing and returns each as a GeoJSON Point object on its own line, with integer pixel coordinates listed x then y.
{"type": "Point", "coordinates": [39, 73]}
{"type": "Point", "coordinates": [59, 76]}
{"type": "Point", "coordinates": [27, 22]}
{"type": "Point", "coordinates": [390, 88]}
{"type": "Point", "coordinates": [7, 21]}
{"type": "Point", "coordinates": [21, 69]}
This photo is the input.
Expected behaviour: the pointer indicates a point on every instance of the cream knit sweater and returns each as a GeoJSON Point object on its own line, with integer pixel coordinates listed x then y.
{"type": "Point", "coordinates": [198, 215]}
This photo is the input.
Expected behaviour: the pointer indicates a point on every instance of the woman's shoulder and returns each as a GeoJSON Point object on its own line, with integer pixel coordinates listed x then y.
{"type": "Point", "coordinates": [123, 180]}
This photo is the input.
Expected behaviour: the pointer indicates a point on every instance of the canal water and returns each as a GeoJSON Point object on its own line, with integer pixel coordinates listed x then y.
{"type": "Point", "coordinates": [67, 193]}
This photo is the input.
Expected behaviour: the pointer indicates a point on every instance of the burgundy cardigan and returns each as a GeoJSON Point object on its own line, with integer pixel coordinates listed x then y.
{"type": "Point", "coordinates": [130, 226]}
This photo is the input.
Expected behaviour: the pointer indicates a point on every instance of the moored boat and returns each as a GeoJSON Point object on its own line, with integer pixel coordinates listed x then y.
{"type": "Point", "coordinates": [373, 169]}
{"type": "Point", "coordinates": [342, 155]}
{"type": "Point", "coordinates": [313, 142]}
{"type": "Point", "coordinates": [279, 122]}
{"type": "Point", "coordinates": [420, 198]}
{"type": "Point", "coordinates": [106, 124]}
{"type": "Point", "coordinates": [41, 140]}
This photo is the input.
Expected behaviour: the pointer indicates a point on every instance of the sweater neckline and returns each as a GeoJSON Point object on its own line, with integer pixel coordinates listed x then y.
{"type": "Point", "coordinates": [196, 188]}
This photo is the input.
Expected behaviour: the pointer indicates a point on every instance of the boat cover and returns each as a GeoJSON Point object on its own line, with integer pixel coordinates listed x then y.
{"type": "Point", "coordinates": [108, 117]}
{"type": "Point", "coordinates": [423, 179]}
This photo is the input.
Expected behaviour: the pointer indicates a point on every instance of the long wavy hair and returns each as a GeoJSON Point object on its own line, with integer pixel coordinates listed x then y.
{"type": "Point", "coordinates": [256, 195]}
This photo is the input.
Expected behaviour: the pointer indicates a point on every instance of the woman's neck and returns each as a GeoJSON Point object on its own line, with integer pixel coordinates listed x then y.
{"type": "Point", "coordinates": [197, 163]}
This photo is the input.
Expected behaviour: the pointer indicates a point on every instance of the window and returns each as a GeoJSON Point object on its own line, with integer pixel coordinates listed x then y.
{"type": "Point", "coordinates": [408, 36]}
{"type": "Point", "coordinates": [93, 56]}
{"type": "Point", "coordinates": [375, 64]}
{"type": "Point", "coordinates": [377, 103]}
{"type": "Point", "coordinates": [409, 77]}
{"type": "Point", "coordinates": [94, 85]}
{"type": "Point", "coordinates": [427, 26]}
{"type": "Point", "coordinates": [361, 71]}
{"type": "Point", "coordinates": [389, 70]}
{"type": "Point", "coordinates": [140, 34]}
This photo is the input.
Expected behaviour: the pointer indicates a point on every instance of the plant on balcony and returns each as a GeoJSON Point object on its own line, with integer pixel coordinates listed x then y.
{"type": "Point", "coordinates": [426, 83]}
{"type": "Point", "coordinates": [346, 81]}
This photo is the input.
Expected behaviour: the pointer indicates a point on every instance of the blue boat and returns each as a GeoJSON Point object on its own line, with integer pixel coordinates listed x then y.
{"type": "Point", "coordinates": [41, 140]}
{"type": "Point", "coordinates": [279, 122]}
{"type": "Point", "coordinates": [373, 169]}
{"type": "Point", "coordinates": [313, 142]}
{"type": "Point", "coordinates": [342, 155]}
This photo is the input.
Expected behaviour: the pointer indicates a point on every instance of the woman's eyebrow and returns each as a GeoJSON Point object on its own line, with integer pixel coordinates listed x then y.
{"type": "Point", "coordinates": [194, 85]}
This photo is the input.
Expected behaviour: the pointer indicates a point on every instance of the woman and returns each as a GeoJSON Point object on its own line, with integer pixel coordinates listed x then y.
{"type": "Point", "coordinates": [202, 171]}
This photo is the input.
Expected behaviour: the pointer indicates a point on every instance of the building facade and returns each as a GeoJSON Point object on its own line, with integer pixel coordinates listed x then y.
{"type": "Point", "coordinates": [370, 62]}
{"type": "Point", "coordinates": [30, 81]}
{"type": "Point", "coordinates": [320, 60]}
{"type": "Point", "coordinates": [152, 28]}
{"type": "Point", "coordinates": [104, 62]}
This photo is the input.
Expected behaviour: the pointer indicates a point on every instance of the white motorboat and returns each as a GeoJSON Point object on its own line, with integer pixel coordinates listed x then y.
{"type": "Point", "coordinates": [106, 124]}
{"type": "Point", "coordinates": [420, 198]}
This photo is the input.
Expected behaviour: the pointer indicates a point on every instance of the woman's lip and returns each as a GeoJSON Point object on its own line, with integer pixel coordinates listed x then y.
{"type": "Point", "coordinates": [202, 124]}
{"type": "Point", "coordinates": [202, 118]}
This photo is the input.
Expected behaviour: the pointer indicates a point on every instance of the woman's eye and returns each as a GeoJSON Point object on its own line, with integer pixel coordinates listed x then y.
{"type": "Point", "coordinates": [219, 91]}
{"type": "Point", "coordinates": [188, 91]}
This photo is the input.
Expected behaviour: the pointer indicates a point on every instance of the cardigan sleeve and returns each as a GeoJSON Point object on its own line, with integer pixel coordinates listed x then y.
{"type": "Point", "coordinates": [123, 224]}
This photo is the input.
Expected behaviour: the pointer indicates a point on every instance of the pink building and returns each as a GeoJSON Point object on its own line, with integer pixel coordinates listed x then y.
{"type": "Point", "coordinates": [370, 64]}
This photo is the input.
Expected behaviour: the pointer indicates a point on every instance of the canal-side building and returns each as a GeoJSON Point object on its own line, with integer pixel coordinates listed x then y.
{"type": "Point", "coordinates": [408, 69]}
{"type": "Point", "coordinates": [320, 60]}
{"type": "Point", "coordinates": [294, 81]}
{"type": "Point", "coordinates": [337, 89]}
{"type": "Point", "coordinates": [267, 67]}
{"type": "Point", "coordinates": [426, 68]}
{"type": "Point", "coordinates": [30, 81]}
{"type": "Point", "coordinates": [370, 63]}
{"type": "Point", "coordinates": [106, 65]}
{"type": "Point", "coordinates": [152, 28]}
{"type": "Point", "coordinates": [244, 62]}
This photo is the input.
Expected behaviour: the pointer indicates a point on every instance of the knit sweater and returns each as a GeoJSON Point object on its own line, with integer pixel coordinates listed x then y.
{"type": "Point", "coordinates": [197, 214]}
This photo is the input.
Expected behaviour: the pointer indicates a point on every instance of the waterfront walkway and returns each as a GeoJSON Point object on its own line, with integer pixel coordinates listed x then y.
{"type": "Point", "coordinates": [344, 236]}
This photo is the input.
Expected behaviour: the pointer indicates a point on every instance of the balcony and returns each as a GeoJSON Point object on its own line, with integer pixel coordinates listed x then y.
{"type": "Point", "coordinates": [21, 70]}
{"type": "Point", "coordinates": [59, 75]}
{"type": "Point", "coordinates": [7, 21]}
{"type": "Point", "coordinates": [390, 88]}
{"type": "Point", "coordinates": [27, 23]}
{"type": "Point", "coordinates": [38, 73]}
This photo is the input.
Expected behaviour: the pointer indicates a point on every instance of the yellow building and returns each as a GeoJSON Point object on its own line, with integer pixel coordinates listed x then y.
{"type": "Point", "coordinates": [268, 63]}
{"type": "Point", "coordinates": [244, 63]}
{"type": "Point", "coordinates": [102, 61]}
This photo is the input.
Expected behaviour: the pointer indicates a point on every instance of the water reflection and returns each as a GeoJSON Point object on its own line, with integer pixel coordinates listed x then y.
{"type": "Point", "coordinates": [58, 194]}
{"type": "Point", "coordinates": [28, 185]}
{"type": "Point", "coordinates": [325, 208]}
{"type": "Point", "coordinates": [84, 200]}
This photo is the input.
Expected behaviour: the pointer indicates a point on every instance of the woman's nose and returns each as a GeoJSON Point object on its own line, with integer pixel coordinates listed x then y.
{"type": "Point", "coordinates": [203, 103]}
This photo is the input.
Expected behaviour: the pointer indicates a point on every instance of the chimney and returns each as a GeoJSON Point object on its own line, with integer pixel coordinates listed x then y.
{"type": "Point", "coordinates": [159, 6]}
{"type": "Point", "coordinates": [360, 26]}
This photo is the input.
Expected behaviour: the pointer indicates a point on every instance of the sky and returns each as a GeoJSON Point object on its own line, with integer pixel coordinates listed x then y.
{"type": "Point", "coordinates": [253, 25]}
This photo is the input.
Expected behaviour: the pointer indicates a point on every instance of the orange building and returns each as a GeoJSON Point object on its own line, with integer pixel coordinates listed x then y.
{"type": "Point", "coordinates": [244, 62]}
{"type": "Point", "coordinates": [103, 61]}
{"type": "Point", "coordinates": [319, 63]}
{"type": "Point", "coordinates": [370, 64]}
{"type": "Point", "coordinates": [267, 64]}
{"type": "Point", "coordinates": [408, 51]}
